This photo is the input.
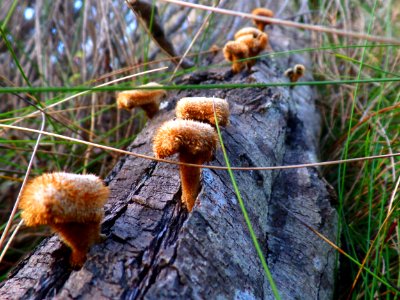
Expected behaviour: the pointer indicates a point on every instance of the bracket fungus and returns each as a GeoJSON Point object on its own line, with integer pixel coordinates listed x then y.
{"type": "Point", "coordinates": [71, 204]}
{"type": "Point", "coordinates": [148, 100]}
{"type": "Point", "coordinates": [202, 109]}
{"type": "Point", "coordinates": [262, 12]}
{"type": "Point", "coordinates": [295, 73]}
{"type": "Point", "coordinates": [195, 142]}
{"type": "Point", "coordinates": [235, 52]}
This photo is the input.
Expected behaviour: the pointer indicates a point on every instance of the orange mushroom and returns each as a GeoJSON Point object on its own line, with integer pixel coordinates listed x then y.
{"type": "Point", "coordinates": [148, 100]}
{"type": "Point", "coordinates": [195, 142]}
{"type": "Point", "coordinates": [263, 12]}
{"type": "Point", "coordinates": [71, 204]}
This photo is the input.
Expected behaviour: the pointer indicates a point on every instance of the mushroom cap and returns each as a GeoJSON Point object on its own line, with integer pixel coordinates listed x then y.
{"type": "Point", "coordinates": [299, 69]}
{"type": "Point", "coordinates": [234, 50]}
{"type": "Point", "coordinates": [130, 99]}
{"type": "Point", "coordinates": [264, 12]}
{"type": "Point", "coordinates": [185, 136]}
{"type": "Point", "coordinates": [289, 72]}
{"type": "Point", "coordinates": [202, 109]}
{"type": "Point", "coordinates": [254, 44]}
{"type": "Point", "coordinates": [62, 198]}
{"type": "Point", "coordinates": [246, 31]}
{"type": "Point", "coordinates": [260, 11]}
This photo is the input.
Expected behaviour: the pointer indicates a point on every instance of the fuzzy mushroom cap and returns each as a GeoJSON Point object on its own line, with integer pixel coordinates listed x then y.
{"type": "Point", "coordinates": [254, 44]}
{"type": "Point", "coordinates": [187, 137]}
{"type": "Point", "coordinates": [264, 12]}
{"type": "Point", "coordinates": [202, 109]}
{"type": "Point", "coordinates": [254, 32]}
{"type": "Point", "coordinates": [234, 50]}
{"type": "Point", "coordinates": [130, 99]}
{"type": "Point", "coordinates": [54, 198]}
{"type": "Point", "coordinates": [289, 72]}
{"type": "Point", "coordinates": [299, 69]}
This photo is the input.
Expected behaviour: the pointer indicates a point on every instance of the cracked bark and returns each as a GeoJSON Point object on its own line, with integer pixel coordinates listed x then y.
{"type": "Point", "coordinates": [156, 250]}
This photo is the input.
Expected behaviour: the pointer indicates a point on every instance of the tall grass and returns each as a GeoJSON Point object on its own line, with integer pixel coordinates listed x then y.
{"type": "Point", "coordinates": [363, 121]}
{"type": "Point", "coordinates": [66, 48]}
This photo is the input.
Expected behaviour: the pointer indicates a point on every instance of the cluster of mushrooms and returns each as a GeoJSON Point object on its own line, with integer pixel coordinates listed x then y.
{"type": "Point", "coordinates": [72, 204]}
{"type": "Point", "coordinates": [249, 42]}
{"type": "Point", "coordinates": [192, 134]}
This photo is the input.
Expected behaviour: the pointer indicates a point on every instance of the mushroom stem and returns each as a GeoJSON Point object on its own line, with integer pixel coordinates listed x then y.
{"type": "Point", "coordinates": [71, 204]}
{"type": "Point", "coordinates": [190, 179]}
{"type": "Point", "coordinates": [151, 109]}
{"type": "Point", "coordinates": [79, 237]}
{"type": "Point", "coordinates": [195, 142]}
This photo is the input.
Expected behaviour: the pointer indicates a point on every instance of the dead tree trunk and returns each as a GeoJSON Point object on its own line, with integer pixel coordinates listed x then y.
{"type": "Point", "coordinates": [156, 250]}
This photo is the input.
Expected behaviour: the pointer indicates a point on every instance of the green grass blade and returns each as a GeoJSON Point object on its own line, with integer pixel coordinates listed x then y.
{"type": "Point", "coordinates": [9, 15]}
{"type": "Point", "coordinates": [14, 56]}
{"type": "Point", "coordinates": [246, 216]}
{"type": "Point", "coordinates": [88, 89]}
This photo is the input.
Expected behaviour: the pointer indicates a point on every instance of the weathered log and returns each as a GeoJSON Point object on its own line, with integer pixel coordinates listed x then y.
{"type": "Point", "coordinates": [156, 250]}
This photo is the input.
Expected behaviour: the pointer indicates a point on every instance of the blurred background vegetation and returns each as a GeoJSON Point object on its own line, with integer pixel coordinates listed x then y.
{"type": "Point", "coordinates": [86, 43]}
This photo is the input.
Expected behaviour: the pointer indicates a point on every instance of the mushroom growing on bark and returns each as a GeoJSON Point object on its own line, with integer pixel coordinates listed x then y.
{"type": "Point", "coordinates": [254, 44]}
{"type": "Point", "coordinates": [71, 204]}
{"type": "Point", "coordinates": [255, 41]}
{"type": "Point", "coordinates": [148, 100]}
{"type": "Point", "coordinates": [202, 109]}
{"type": "Point", "coordinates": [235, 52]}
{"type": "Point", "coordinates": [263, 12]}
{"type": "Point", "coordinates": [254, 32]}
{"type": "Point", "coordinates": [295, 73]}
{"type": "Point", "coordinates": [195, 142]}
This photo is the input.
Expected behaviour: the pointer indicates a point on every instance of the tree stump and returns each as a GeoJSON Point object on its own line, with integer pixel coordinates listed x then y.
{"type": "Point", "coordinates": [155, 249]}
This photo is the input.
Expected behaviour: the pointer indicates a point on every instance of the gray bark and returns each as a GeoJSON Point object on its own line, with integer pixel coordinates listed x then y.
{"type": "Point", "coordinates": [156, 250]}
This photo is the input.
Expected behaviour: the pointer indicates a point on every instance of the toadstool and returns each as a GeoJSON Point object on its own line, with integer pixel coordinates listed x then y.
{"type": "Point", "coordinates": [202, 109]}
{"type": "Point", "coordinates": [254, 44]}
{"type": "Point", "coordinates": [295, 73]}
{"type": "Point", "coordinates": [235, 52]}
{"type": "Point", "coordinates": [254, 32]}
{"type": "Point", "coordinates": [195, 142]}
{"type": "Point", "coordinates": [71, 204]}
{"type": "Point", "coordinates": [148, 100]}
{"type": "Point", "coordinates": [255, 41]}
{"type": "Point", "coordinates": [262, 12]}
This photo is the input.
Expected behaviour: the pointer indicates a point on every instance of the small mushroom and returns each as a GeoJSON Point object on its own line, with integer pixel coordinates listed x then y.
{"type": "Point", "coordinates": [289, 73]}
{"type": "Point", "coordinates": [195, 142]}
{"type": "Point", "coordinates": [263, 12]}
{"type": "Point", "coordinates": [202, 109]}
{"type": "Point", "coordinates": [71, 204]}
{"type": "Point", "coordinates": [148, 100]}
{"type": "Point", "coordinates": [235, 52]}
{"type": "Point", "coordinates": [254, 44]}
{"type": "Point", "coordinates": [295, 73]}
{"type": "Point", "coordinates": [299, 70]}
{"type": "Point", "coordinates": [247, 31]}
{"type": "Point", "coordinates": [214, 49]}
